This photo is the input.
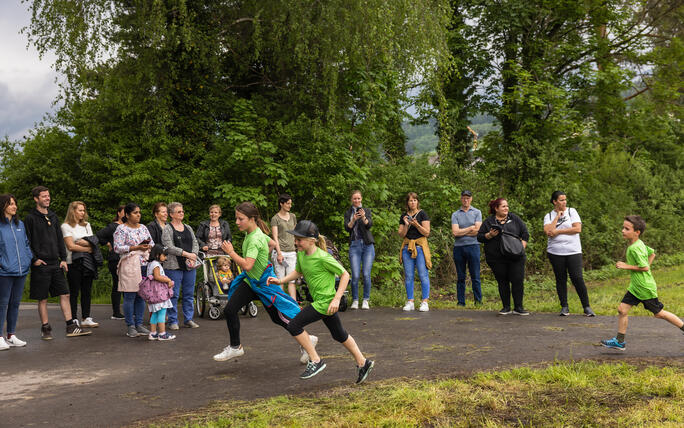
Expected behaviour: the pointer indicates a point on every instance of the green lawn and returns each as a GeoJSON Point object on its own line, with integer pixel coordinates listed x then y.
{"type": "Point", "coordinates": [563, 395]}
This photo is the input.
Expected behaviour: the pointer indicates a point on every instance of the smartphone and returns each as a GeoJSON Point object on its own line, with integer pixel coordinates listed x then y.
{"type": "Point", "coordinates": [145, 242]}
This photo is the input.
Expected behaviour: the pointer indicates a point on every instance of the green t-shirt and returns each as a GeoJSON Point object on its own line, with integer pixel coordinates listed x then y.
{"type": "Point", "coordinates": [255, 246]}
{"type": "Point", "coordinates": [641, 284]}
{"type": "Point", "coordinates": [319, 270]}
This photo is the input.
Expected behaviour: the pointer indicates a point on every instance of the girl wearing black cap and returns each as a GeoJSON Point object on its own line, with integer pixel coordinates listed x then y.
{"type": "Point", "coordinates": [319, 269]}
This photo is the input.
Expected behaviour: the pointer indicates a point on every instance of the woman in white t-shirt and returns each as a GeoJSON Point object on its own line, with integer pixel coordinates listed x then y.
{"type": "Point", "coordinates": [74, 228]}
{"type": "Point", "coordinates": [563, 226]}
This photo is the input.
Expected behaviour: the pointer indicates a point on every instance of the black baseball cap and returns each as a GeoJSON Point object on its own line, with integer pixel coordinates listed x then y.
{"type": "Point", "coordinates": [466, 193]}
{"type": "Point", "coordinates": [305, 229]}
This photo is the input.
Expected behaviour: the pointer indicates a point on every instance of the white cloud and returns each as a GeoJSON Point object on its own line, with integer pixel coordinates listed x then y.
{"type": "Point", "coordinates": [27, 83]}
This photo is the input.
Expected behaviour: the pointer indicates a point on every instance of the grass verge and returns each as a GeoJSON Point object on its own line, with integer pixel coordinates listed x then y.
{"type": "Point", "coordinates": [584, 393]}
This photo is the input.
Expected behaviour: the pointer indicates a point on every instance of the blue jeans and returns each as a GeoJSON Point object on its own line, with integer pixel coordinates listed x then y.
{"type": "Point", "coordinates": [360, 253]}
{"type": "Point", "coordinates": [134, 308]}
{"type": "Point", "coordinates": [183, 280]}
{"type": "Point", "coordinates": [11, 289]}
{"type": "Point", "coordinates": [409, 266]}
{"type": "Point", "coordinates": [467, 255]}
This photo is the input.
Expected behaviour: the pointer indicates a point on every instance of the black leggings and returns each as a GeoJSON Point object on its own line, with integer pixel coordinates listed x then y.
{"type": "Point", "coordinates": [241, 297]}
{"type": "Point", "coordinates": [308, 315]}
{"type": "Point", "coordinates": [564, 265]}
{"type": "Point", "coordinates": [510, 276]}
{"type": "Point", "coordinates": [80, 281]}
{"type": "Point", "coordinates": [116, 295]}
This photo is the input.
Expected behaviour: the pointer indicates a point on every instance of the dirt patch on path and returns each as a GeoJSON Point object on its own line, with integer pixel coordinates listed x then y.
{"type": "Point", "coordinates": [109, 380]}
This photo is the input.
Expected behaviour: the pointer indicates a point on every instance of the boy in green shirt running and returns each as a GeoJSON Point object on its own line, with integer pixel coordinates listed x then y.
{"type": "Point", "coordinates": [319, 268]}
{"type": "Point", "coordinates": [642, 286]}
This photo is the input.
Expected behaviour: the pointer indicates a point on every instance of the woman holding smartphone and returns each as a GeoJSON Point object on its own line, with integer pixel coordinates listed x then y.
{"type": "Point", "coordinates": [358, 221]}
{"type": "Point", "coordinates": [414, 227]}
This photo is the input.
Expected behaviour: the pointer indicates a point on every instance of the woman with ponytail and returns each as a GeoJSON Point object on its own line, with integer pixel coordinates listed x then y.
{"type": "Point", "coordinates": [252, 283]}
{"type": "Point", "coordinates": [319, 269]}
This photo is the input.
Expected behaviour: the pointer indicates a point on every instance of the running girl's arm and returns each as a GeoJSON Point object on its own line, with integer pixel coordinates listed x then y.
{"type": "Point", "coordinates": [650, 259]}
{"type": "Point", "coordinates": [623, 265]}
{"type": "Point", "coordinates": [272, 245]}
{"type": "Point", "coordinates": [287, 278]}
{"type": "Point", "coordinates": [335, 303]}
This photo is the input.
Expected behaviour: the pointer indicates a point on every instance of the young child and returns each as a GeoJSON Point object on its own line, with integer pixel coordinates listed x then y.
{"type": "Point", "coordinates": [642, 286]}
{"type": "Point", "coordinates": [319, 269]}
{"type": "Point", "coordinates": [158, 310]}
{"type": "Point", "coordinates": [223, 272]}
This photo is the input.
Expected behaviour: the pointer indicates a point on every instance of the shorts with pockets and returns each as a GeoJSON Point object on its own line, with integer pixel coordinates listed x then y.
{"type": "Point", "coordinates": [652, 305]}
{"type": "Point", "coordinates": [47, 279]}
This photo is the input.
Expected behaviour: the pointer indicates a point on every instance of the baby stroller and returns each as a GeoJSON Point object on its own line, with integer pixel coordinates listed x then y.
{"type": "Point", "coordinates": [210, 297]}
{"type": "Point", "coordinates": [303, 294]}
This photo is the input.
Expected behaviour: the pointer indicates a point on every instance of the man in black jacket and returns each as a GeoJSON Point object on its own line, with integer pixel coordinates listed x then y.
{"type": "Point", "coordinates": [49, 260]}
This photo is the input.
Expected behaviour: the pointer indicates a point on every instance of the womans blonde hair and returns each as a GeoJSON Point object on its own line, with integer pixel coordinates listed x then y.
{"type": "Point", "coordinates": [71, 214]}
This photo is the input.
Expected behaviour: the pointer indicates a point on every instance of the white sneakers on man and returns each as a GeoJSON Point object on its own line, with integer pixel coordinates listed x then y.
{"type": "Point", "coordinates": [409, 306]}
{"type": "Point", "coordinates": [229, 353]}
{"type": "Point", "coordinates": [15, 342]}
{"type": "Point", "coordinates": [88, 322]}
{"type": "Point", "coordinates": [424, 307]}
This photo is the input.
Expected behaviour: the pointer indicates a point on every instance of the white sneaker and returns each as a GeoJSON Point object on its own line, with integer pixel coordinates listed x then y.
{"type": "Point", "coordinates": [3, 345]}
{"type": "Point", "coordinates": [305, 356]}
{"type": "Point", "coordinates": [88, 322]}
{"type": "Point", "coordinates": [14, 341]}
{"type": "Point", "coordinates": [355, 304]}
{"type": "Point", "coordinates": [365, 305]}
{"type": "Point", "coordinates": [409, 306]}
{"type": "Point", "coordinates": [424, 307]}
{"type": "Point", "coordinates": [229, 353]}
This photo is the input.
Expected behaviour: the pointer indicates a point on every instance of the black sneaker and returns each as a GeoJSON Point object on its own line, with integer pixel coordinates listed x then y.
{"type": "Point", "coordinates": [118, 317]}
{"type": "Point", "coordinates": [365, 370]}
{"type": "Point", "coordinates": [505, 310]}
{"type": "Point", "coordinates": [520, 311]}
{"type": "Point", "coordinates": [312, 369]}
{"type": "Point", "coordinates": [46, 332]}
{"type": "Point", "coordinates": [564, 311]}
{"type": "Point", "coordinates": [74, 330]}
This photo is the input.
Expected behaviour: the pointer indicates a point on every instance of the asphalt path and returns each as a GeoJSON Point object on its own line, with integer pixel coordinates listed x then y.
{"type": "Point", "coordinates": [108, 379]}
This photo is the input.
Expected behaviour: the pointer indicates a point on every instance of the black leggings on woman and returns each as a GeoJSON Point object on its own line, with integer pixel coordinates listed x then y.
{"type": "Point", "coordinates": [116, 294]}
{"type": "Point", "coordinates": [308, 315]}
{"type": "Point", "coordinates": [510, 275]}
{"type": "Point", "coordinates": [564, 265]}
{"type": "Point", "coordinates": [241, 297]}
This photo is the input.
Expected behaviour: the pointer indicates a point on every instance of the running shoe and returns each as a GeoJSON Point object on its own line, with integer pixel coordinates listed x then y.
{"type": "Point", "coordinates": [505, 310]}
{"type": "Point", "coordinates": [229, 353]}
{"type": "Point", "coordinates": [613, 343]}
{"type": "Point", "coordinates": [354, 305]}
{"type": "Point", "coordinates": [131, 331]}
{"type": "Point", "coordinates": [588, 312]}
{"type": "Point", "coordinates": [152, 336]}
{"type": "Point", "coordinates": [564, 311]}
{"type": "Point", "coordinates": [365, 304]}
{"type": "Point", "coordinates": [365, 370]}
{"type": "Point", "coordinates": [304, 358]}
{"type": "Point", "coordinates": [117, 317]}
{"type": "Point", "coordinates": [423, 307]}
{"type": "Point", "coordinates": [520, 311]}
{"type": "Point", "coordinates": [312, 369]}
{"type": "Point", "coordinates": [142, 331]}
{"type": "Point", "coordinates": [3, 344]}
{"type": "Point", "coordinates": [409, 306]}
{"type": "Point", "coordinates": [166, 336]}
{"type": "Point", "coordinates": [190, 324]}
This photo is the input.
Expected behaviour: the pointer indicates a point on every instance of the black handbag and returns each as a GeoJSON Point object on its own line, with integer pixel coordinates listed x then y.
{"type": "Point", "coordinates": [511, 245]}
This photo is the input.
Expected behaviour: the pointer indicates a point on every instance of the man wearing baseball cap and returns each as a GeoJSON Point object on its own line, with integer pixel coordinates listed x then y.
{"type": "Point", "coordinates": [464, 226]}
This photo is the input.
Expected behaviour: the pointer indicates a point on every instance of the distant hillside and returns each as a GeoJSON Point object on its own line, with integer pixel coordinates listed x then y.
{"type": "Point", "coordinates": [423, 139]}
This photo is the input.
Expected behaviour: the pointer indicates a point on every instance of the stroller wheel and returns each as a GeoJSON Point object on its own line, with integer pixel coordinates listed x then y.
{"type": "Point", "coordinates": [214, 312]}
{"type": "Point", "coordinates": [252, 309]}
{"type": "Point", "coordinates": [201, 297]}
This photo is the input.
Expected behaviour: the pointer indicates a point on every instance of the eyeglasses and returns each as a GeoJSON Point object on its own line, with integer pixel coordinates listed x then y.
{"type": "Point", "coordinates": [48, 220]}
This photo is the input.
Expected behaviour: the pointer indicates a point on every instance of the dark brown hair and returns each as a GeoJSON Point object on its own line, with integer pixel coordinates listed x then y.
{"type": "Point", "coordinates": [118, 210]}
{"type": "Point", "coordinates": [5, 200]}
{"type": "Point", "coordinates": [413, 195]}
{"type": "Point", "coordinates": [36, 191]}
{"type": "Point", "coordinates": [638, 223]}
{"type": "Point", "coordinates": [157, 207]}
{"type": "Point", "coordinates": [251, 211]}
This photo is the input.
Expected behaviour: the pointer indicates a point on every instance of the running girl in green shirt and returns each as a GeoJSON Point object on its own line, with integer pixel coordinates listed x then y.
{"type": "Point", "coordinates": [319, 268]}
{"type": "Point", "coordinates": [642, 286]}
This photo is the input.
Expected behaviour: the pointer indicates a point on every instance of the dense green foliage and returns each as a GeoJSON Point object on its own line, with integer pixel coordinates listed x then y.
{"type": "Point", "coordinates": [219, 102]}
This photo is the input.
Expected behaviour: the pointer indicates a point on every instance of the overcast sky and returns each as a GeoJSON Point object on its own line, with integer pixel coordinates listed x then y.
{"type": "Point", "coordinates": [27, 84]}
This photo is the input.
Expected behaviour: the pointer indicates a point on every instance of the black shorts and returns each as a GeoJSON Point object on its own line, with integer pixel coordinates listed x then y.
{"type": "Point", "coordinates": [652, 305]}
{"type": "Point", "coordinates": [47, 279]}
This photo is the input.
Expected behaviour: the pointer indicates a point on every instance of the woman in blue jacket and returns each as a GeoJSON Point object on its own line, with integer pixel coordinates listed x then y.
{"type": "Point", "coordinates": [15, 261]}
